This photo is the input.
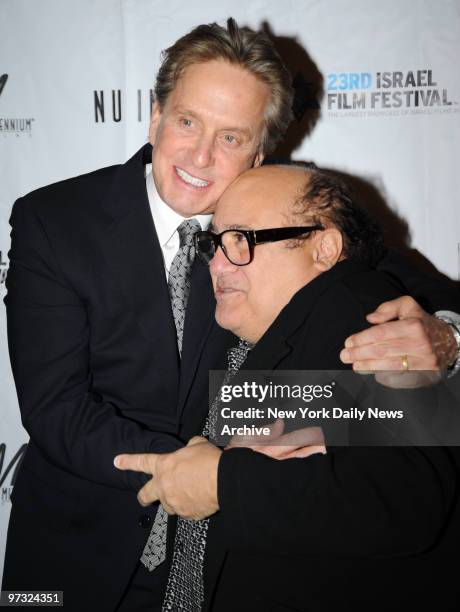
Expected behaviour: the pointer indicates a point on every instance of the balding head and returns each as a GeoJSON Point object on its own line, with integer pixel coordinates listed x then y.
{"type": "Point", "coordinates": [250, 297]}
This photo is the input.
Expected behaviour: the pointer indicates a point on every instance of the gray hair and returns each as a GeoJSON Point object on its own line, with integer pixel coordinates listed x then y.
{"type": "Point", "coordinates": [240, 46]}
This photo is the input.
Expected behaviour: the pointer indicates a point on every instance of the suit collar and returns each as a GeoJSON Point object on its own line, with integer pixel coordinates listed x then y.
{"type": "Point", "coordinates": [128, 191]}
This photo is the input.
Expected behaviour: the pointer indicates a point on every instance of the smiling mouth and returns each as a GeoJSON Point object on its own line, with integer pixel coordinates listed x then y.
{"type": "Point", "coordinates": [191, 180]}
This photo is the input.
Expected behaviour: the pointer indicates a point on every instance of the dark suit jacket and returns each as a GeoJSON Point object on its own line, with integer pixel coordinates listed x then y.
{"type": "Point", "coordinates": [94, 355]}
{"type": "Point", "coordinates": [331, 531]}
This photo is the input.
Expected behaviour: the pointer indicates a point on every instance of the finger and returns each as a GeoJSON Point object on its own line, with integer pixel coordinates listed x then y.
{"type": "Point", "coordinates": [399, 308]}
{"type": "Point", "coordinates": [367, 366]}
{"type": "Point", "coordinates": [276, 430]}
{"type": "Point", "coordinates": [383, 350]}
{"type": "Point", "coordinates": [393, 364]}
{"type": "Point", "coordinates": [140, 462]}
{"type": "Point", "coordinates": [301, 453]}
{"type": "Point", "coordinates": [300, 438]}
{"type": "Point", "coordinates": [292, 441]}
{"type": "Point", "coordinates": [148, 494]}
{"type": "Point", "coordinates": [169, 509]}
{"type": "Point", "coordinates": [197, 440]}
{"type": "Point", "coordinates": [275, 452]}
{"type": "Point", "coordinates": [384, 333]}
{"type": "Point", "coordinates": [290, 452]}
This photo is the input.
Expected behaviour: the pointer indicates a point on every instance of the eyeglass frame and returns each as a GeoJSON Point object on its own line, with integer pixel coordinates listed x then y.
{"type": "Point", "coordinates": [253, 238]}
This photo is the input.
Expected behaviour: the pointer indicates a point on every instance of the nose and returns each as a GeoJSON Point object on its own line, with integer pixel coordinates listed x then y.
{"type": "Point", "coordinates": [219, 264]}
{"type": "Point", "coordinates": [203, 153]}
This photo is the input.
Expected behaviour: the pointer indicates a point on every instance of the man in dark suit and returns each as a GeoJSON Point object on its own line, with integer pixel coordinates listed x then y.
{"type": "Point", "coordinates": [94, 342]}
{"type": "Point", "coordinates": [332, 530]}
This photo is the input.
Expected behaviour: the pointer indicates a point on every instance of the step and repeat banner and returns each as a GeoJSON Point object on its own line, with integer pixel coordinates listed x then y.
{"type": "Point", "coordinates": [377, 99]}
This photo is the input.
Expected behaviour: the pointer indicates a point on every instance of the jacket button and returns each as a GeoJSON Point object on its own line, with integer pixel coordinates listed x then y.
{"type": "Point", "coordinates": [145, 521]}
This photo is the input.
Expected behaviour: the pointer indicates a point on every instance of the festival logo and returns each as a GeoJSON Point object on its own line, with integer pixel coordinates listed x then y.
{"type": "Point", "coordinates": [366, 94]}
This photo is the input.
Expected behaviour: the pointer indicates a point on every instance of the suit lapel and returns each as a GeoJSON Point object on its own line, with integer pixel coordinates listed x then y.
{"type": "Point", "coordinates": [269, 354]}
{"type": "Point", "coordinates": [132, 252]}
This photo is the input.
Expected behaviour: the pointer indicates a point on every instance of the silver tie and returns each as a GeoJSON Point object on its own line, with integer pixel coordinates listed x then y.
{"type": "Point", "coordinates": [179, 288]}
{"type": "Point", "coordinates": [185, 589]}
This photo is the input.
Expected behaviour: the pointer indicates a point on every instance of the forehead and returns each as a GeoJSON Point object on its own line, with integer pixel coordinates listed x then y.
{"type": "Point", "coordinates": [220, 91]}
{"type": "Point", "coordinates": [261, 198]}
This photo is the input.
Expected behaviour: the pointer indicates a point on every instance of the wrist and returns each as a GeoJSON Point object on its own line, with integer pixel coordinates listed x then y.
{"type": "Point", "coordinates": [453, 349]}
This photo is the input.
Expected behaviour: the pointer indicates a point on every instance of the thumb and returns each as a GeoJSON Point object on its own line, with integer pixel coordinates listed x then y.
{"type": "Point", "coordinates": [196, 440]}
{"type": "Point", "coordinates": [276, 430]}
{"type": "Point", "coordinates": [400, 308]}
{"type": "Point", "coordinates": [141, 462]}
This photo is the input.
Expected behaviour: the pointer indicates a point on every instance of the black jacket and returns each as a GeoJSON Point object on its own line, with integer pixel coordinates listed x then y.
{"type": "Point", "coordinates": [334, 531]}
{"type": "Point", "coordinates": [94, 356]}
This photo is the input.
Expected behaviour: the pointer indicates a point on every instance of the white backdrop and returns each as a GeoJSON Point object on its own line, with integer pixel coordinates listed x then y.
{"type": "Point", "coordinates": [389, 114]}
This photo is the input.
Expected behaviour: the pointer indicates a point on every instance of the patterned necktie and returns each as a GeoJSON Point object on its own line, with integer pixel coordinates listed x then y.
{"type": "Point", "coordinates": [179, 288]}
{"type": "Point", "coordinates": [179, 275]}
{"type": "Point", "coordinates": [185, 589]}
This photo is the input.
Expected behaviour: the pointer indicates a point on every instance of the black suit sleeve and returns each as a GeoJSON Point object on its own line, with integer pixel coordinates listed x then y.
{"type": "Point", "coordinates": [49, 338]}
{"type": "Point", "coordinates": [360, 501]}
{"type": "Point", "coordinates": [429, 291]}
{"type": "Point", "coordinates": [379, 501]}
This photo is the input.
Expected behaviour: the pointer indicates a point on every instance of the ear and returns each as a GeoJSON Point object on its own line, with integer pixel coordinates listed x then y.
{"type": "Point", "coordinates": [327, 249]}
{"type": "Point", "coordinates": [259, 158]}
{"type": "Point", "coordinates": [154, 122]}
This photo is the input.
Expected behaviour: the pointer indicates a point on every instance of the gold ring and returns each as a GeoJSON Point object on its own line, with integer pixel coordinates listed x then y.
{"type": "Point", "coordinates": [405, 362]}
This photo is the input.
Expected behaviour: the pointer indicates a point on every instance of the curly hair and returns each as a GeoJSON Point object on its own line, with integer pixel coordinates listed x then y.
{"type": "Point", "coordinates": [328, 201]}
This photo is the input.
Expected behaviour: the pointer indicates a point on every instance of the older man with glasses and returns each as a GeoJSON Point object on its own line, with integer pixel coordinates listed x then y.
{"type": "Point", "coordinates": [286, 246]}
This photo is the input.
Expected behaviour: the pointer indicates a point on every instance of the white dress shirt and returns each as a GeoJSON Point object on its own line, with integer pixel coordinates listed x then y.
{"type": "Point", "coordinates": [167, 221]}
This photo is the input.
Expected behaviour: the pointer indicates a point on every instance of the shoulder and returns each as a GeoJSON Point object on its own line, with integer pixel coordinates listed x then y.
{"type": "Point", "coordinates": [368, 288]}
{"type": "Point", "coordinates": [79, 191]}
{"type": "Point", "coordinates": [355, 294]}
{"type": "Point", "coordinates": [339, 311]}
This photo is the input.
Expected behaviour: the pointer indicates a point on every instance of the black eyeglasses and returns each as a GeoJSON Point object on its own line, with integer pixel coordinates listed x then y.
{"type": "Point", "coordinates": [238, 245]}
